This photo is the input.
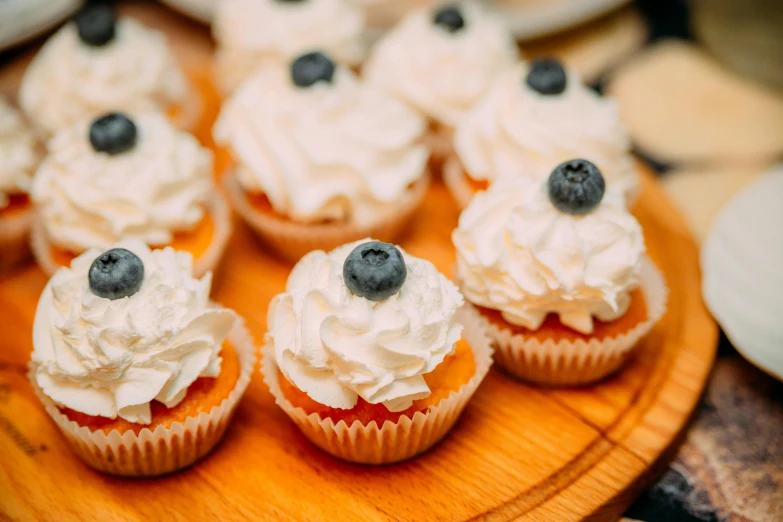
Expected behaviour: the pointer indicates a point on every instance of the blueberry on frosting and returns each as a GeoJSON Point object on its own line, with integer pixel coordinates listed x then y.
{"type": "Point", "coordinates": [449, 18]}
{"type": "Point", "coordinates": [374, 270]}
{"type": "Point", "coordinates": [113, 133]}
{"type": "Point", "coordinates": [311, 68]}
{"type": "Point", "coordinates": [546, 76]}
{"type": "Point", "coordinates": [116, 273]}
{"type": "Point", "coordinates": [96, 24]}
{"type": "Point", "coordinates": [576, 187]}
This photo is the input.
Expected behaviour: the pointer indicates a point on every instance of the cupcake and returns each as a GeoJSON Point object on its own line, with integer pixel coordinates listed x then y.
{"type": "Point", "coordinates": [119, 178]}
{"type": "Point", "coordinates": [139, 371]}
{"type": "Point", "coordinates": [538, 115]}
{"type": "Point", "coordinates": [367, 355]}
{"type": "Point", "coordinates": [18, 159]}
{"type": "Point", "coordinates": [96, 64]}
{"type": "Point", "coordinates": [250, 33]}
{"type": "Point", "coordinates": [441, 61]}
{"type": "Point", "coordinates": [322, 159]}
{"type": "Point", "coordinates": [557, 275]}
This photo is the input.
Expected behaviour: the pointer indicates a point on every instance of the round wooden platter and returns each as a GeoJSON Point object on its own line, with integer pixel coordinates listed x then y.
{"type": "Point", "coordinates": [518, 452]}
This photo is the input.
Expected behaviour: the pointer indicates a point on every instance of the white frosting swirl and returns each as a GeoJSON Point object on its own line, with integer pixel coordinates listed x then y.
{"type": "Point", "coordinates": [515, 131]}
{"type": "Point", "coordinates": [68, 80]}
{"type": "Point", "coordinates": [518, 254]}
{"type": "Point", "coordinates": [333, 151]}
{"type": "Point", "coordinates": [111, 358]}
{"type": "Point", "coordinates": [336, 346]}
{"type": "Point", "coordinates": [18, 156]}
{"type": "Point", "coordinates": [250, 33]}
{"type": "Point", "coordinates": [443, 74]}
{"type": "Point", "coordinates": [88, 199]}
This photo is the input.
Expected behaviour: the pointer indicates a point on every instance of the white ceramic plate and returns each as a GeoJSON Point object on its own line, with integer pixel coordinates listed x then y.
{"type": "Point", "coordinates": [530, 19]}
{"type": "Point", "coordinates": [21, 20]}
{"type": "Point", "coordinates": [742, 265]}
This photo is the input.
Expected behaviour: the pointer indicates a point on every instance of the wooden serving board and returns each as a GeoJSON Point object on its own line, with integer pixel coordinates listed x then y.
{"type": "Point", "coordinates": [518, 452]}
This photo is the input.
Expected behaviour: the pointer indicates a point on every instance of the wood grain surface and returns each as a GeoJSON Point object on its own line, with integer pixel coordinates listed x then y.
{"type": "Point", "coordinates": [519, 452]}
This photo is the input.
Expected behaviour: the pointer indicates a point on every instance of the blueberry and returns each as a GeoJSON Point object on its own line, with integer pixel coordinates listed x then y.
{"type": "Point", "coordinates": [311, 68]}
{"type": "Point", "coordinates": [116, 273]}
{"type": "Point", "coordinates": [576, 187]}
{"type": "Point", "coordinates": [449, 18]}
{"type": "Point", "coordinates": [374, 270]}
{"type": "Point", "coordinates": [96, 24]}
{"type": "Point", "coordinates": [546, 76]}
{"type": "Point", "coordinates": [113, 133]}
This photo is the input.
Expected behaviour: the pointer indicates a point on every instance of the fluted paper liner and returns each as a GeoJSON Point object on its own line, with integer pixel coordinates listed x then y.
{"type": "Point", "coordinates": [439, 141]}
{"type": "Point", "coordinates": [217, 209]}
{"type": "Point", "coordinates": [162, 450]}
{"type": "Point", "coordinates": [189, 112]}
{"type": "Point", "coordinates": [570, 363]}
{"type": "Point", "coordinates": [393, 442]}
{"type": "Point", "coordinates": [14, 240]}
{"type": "Point", "coordinates": [456, 181]}
{"type": "Point", "coordinates": [292, 240]}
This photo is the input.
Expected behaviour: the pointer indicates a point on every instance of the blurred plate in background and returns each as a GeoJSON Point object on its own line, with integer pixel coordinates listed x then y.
{"type": "Point", "coordinates": [530, 19]}
{"type": "Point", "coordinates": [21, 20]}
{"type": "Point", "coordinates": [742, 279]}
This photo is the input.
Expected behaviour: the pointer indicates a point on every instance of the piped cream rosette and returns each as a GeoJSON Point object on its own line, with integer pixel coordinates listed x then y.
{"type": "Point", "coordinates": [332, 159]}
{"type": "Point", "coordinates": [441, 59]}
{"type": "Point", "coordinates": [369, 340]}
{"type": "Point", "coordinates": [83, 361]}
{"type": "Point", "coordinates": [534, 116]}
{"type": "Point", "coordinates": [526, 250]}
{"type": "Point", "coordinates": [154, 183]}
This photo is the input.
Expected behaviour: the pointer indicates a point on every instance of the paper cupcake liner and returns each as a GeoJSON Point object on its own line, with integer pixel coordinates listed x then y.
{"type": "Point", "coordinates": [394, 442]}
{"type": "Point", "coordinates": [292, 240]}
{"type": "Point", "coordinates": [217, 208]}
{"type": "Point", "coordinates": [570, 363]}
{"type": "Point", "coordinates": [220, 212]}
{"type": "Point", "coordinates": [439, 141]}
{"type": "Point", "coordinates": [634, 191]}
{"type": "Point", "coordinates": [14, 240]}
{"type": "Point", "coordinates": [190, 112]}
{"type": "Point", "coordinates": [41, 247]}
{"type": "Point", "coordinates": [382, 16]}
{"type": "Point", "coordinates": [456, 181]}
{"type": "Point", "coordinates": [162, 450]}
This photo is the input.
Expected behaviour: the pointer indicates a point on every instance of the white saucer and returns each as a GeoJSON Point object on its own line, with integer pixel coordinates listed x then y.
{"type": "Point", "coordinates": [742, 279]}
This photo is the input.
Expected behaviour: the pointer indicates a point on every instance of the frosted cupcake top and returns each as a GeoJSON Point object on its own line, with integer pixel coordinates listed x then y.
{"type": "Point", "coordinates": [252, 32]}
{"type": "Point", "coordinates": [122, 328]}
{"type": "Point", "coordinates": [536, 116]}
{"type": "Point", "coordinates": [18, 155]}
{"type": "Point", "coordinates": [365, 320]}
{"type": "Point", "coordinates": [442, 60]}
{"type": "Point", "coordinates": [526, 253]}
{"type": "Point", "coordinates": [121, 177]}
{"type": "Point", "coordinates": [319, 144]}
{"type": "Point", "coordinates": [94, 65]}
